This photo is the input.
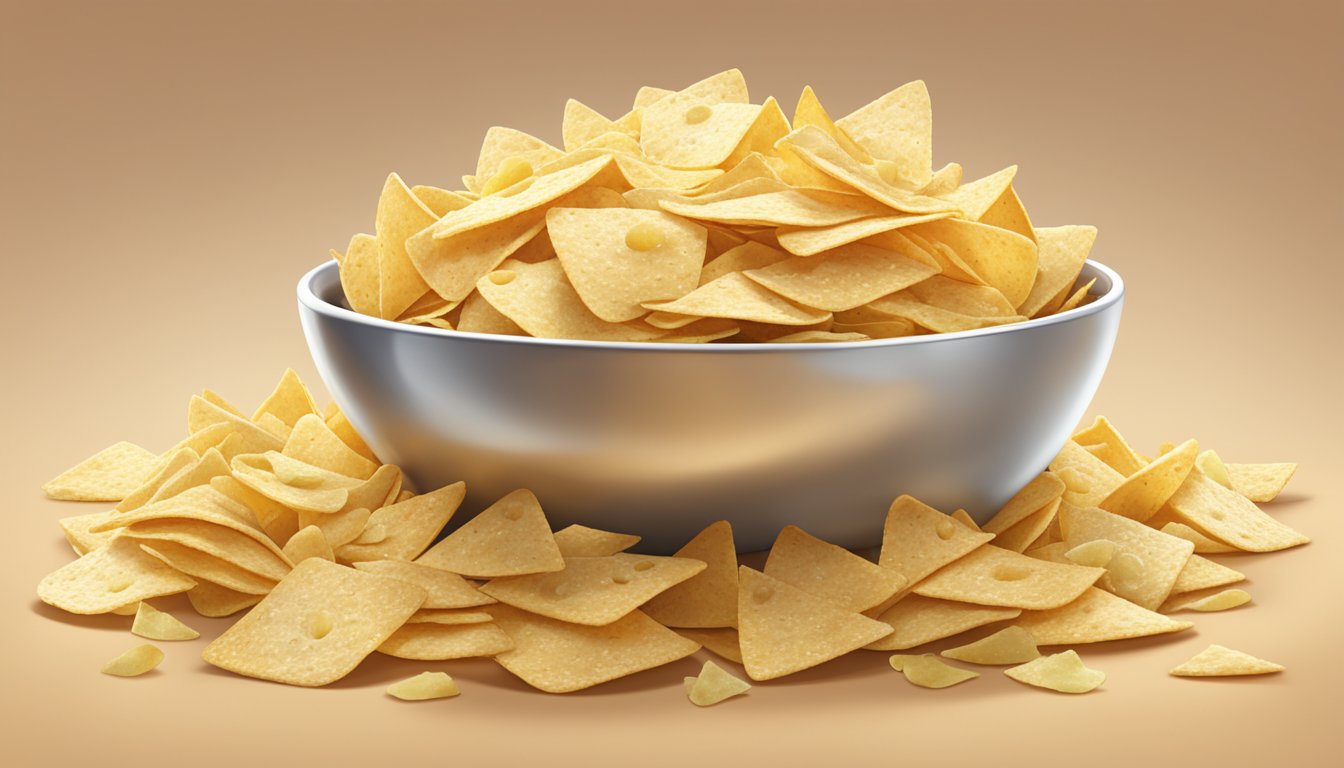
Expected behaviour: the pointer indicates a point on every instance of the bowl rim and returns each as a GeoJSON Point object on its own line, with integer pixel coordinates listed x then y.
{"type": "Point", "coordinates": [309, 299]}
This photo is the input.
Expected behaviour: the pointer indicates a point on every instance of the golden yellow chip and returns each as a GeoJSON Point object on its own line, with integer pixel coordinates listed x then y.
{"type": "Point", "coordinates": [292, 483]}
{"type": "Point", "coordinates": [1062, 672]}
{"type": "Point", "coordinates": [137, 661]}
{"type": "Point", "coordinates": [338, 423]}
{"type": "Point", "coordinates": [1230, 516]}
{"type": "Point", "coordinates": [708, 599]}
{"type": "Point", "coordinates": [82, 539]}
{"type": "Point", "coordinates": [1202, 573]}
{"type": "Point", "coordinates": [236, 544]}
{"type": "Point", "coordinates": [1218, 661]}
{"type": "Point", "coordinates": [810, 112]}
{"type": "Point", "coordinates": [338, 528]}
{"type": "Point", "coordinates": [830, 572]}
{"type": "Point", "coordinates": [1221, 601]}
{"type": "Point", "coordinates": [444, 589]}
{"type": "Point", "coordinates": [713, 685]}
{"type": "Point", "coordinates": [206, 567]}
{"type": "Point", "coordinates": [1030, 529]}
{"type": "Point", "coordinates": [210, 465]}
{"type": "Point", "coordinates": [783, 629]}
{"type": "Point", "coordinates": [1106, 443]}
{"type": "Point", "coordinates": [271, 423]}
{"type": "Point", "coordinates": [509, 538]}
{"type": "Point", "coordinates": [1010, 645]}
{"type": "Point", "coordinates": [440, 642]}
{"type": "Point", "coordinates": [153, 624]}
{"type": "Point", "coordinates": [928, 671]}
{"type": "Point", "coordinates": [313, 442]}
{"type": "Point", "coordinates": [308, 542]}
{"type": "Point", "coordinates": [844, 278]}
{"type": "Point", "coordinates": [1079, 297]}
{"type": "Point", "coordinates": [994, 576]}
{"type": "Point", "coordinates": [449, 616]}
{"type": "Point", "coordinates": [424, 686]}
{"type": "Point", "coordinates": [316, 626]}
{"type": "Point", "coordinates": [501, 144]}
{"type": "Point", "coordinates": [289, 401]}
{"type": "Point", "coordinates": [963, 517]}
{"type": "Point", "coordinates": [940, 305]}
{"type": "Point", "coordinates": [1062, 251]}
{"type": "Point", "coordinates": [721, 641]}
{"type": "Point", "coordinates": [172, 463]}
{"type": "Point", "coordinates": [202, 414]}
{"type": "Point", "coordinates": [918, 539]}
{"type": "Point", "coordinates": [410, 526]}
{"type": "Point", "coordinates": [593, 590]}
{"type": "Point", "coordinates": [1203, 544]}
{"type": "Point", "coordinates": [619, 258]}
{"type": "Point", "coordinates": [540, 299]}
{"type": "Point", "coordinates": [1260, 482]}
{"type": "Point", "coordinates": [918, 620]}
{"type": "Point", "coordinates": [1155, 559]}
{"type": "Point", "coordinates": [1096, 553]}
{"type": "Point", "coordinates": [557, 657]}
{"type": "Point", "coordinates": [685, 131]}
{"type": "Point", "coordinates": [1143, 493]}
{"type": "Point", "coordinates": [1033, 496]}
{"type": "Point", "coordinates": [440, 201]}
{"type": "Point", "coordinates": [1097, 616]}
{"type": "Point", "coordinates": [780, 208]}
{"type": "Point", "coordinates": [898, 128]}
{"type": "Point", "coordinates": [213, 601]}
{"type": "Point", "coordinates": [112, 576]}
{"type": "Point", "coordinates": [1000, 258]}
{"type": "Point", "coordinates": [359, 274]}
{"type": "Point", "coordinates": [109, 475]}
{"type": "Point", "coordinates": [275, 519]}
{"type": "Point", "coordinates": [497, 208]}
{"type": "Point", "coordinates": [1087, 479]}
{"type": "Point", "coordinates": [582, 541]}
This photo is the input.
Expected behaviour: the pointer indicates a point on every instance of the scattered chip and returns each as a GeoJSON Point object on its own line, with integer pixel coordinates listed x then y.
{"type": "Point", "coordinates": [1222, 601]}
{"type": "Point", "coordinates": [424, 686]}
{"type": "Point", "coordinates": [1230, 516]}
{"type": "Point", "coordinates": [137, 661]}
{"type": "Point", "coordinates": [509, 538]}
{"type": "Point", "coordinates": [1260, 482]}
{"type": "Point", "coordinates": [783, 629]}
{"type": "Point", "coordinates": [593, 590]}
{"type": "Point", "coordinates": [713, 685]}
{"type": "Point", "coordinates": [830, 572]}
{"type": "Point", "coordinates": [917, 620]}
{"type": "Point", "coordinates": [918, 539]}
{"type": "Point", "coordinates": [1218, 661]}
{"type": "Point", "coordinates": [1143, 493]}
{"type": "Point", "coordinates": [557, 657]}
{"type": "Point", "coordinates": [109, 475]}
{"type": "Point", "coordinates": [928, 671]}
{"type": "Point", "coordinates": [1095, 617]}
{"type": "Point", "coordinates": [317, 624]}
{"type": "Point", "coordinates": [153, 624]}
{"type": "Point", "coordinates": [582, 541]}
{"type": "Point", "coordinates": [1063, 672]}
{"type": "Point", "coordinates": [994, 576]}
{"type": "Point", "coordinates": [1202, 573]}
{"type": "Point", "coordinates": [433, 641]}
{"type": "Point", "coordinates": [708, 599]}
{"type": "Point", "coordinates": [1155, 560]}
{"type": "Point", "coordinates": [112, 576]}
{"type": "Point", "coordinates": [1010, 645]}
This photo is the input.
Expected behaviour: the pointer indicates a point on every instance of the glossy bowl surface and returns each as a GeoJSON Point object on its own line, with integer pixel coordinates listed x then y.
{"type": "Point", "coordinates": [662, 439]}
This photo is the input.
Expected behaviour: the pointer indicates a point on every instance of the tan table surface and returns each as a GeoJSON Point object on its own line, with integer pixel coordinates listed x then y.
{"type": "Point", "coordinates": [169, 173]}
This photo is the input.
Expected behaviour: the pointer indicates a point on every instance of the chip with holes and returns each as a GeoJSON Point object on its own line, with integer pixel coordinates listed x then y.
{"type": "Point", "coordinates": [994, 576]}
{"type": "Point", "coordinates": [1230, 516]}
{"type": "Point", "coordinates": [918, 539]}
{"type": "Point", "coordinates": [509, 538]}
{"type": "Point", "coordinates": [1146, 563]}
{"type": "Point", "coordinates": [115, 575]}
{"type": "Point", "coordinates": [316, 626]}
{"type": "Point", "coordinates": [557, 657]}
{"type": "Point", "coordinates": [593, 590]}
{"type": "Point", "coordinates": [783, 629]}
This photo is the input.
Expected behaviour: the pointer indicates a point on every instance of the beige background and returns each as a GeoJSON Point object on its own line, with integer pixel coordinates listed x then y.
{"type": "Point", "coordinates": [169, 173]}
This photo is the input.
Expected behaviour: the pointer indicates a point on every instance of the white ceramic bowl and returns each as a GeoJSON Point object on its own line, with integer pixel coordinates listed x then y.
{"type": "Point", "coordinates": [662, 439]}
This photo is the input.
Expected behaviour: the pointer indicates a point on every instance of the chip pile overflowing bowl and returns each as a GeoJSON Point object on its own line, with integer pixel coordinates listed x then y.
{"type": "Point", "coordinates": [288, 515]}
{"type": "Point", "coordinates": [700, 217]}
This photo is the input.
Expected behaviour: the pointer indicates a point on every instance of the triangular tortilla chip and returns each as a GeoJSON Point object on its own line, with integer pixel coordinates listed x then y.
{"type": "Point", "coordinates": [918, 539]}
{"type": "Point", "coordinates": [1096, 616]}
{"type": "Point", "coordinates": [1087, 479]}
{"type": "Point", "coordinates": [830, 572]}
{"type": "Point", "coordinates": [1229, 516]}
{"type": "Point", "coordinates": [359, 274]}
{"type": "Point", "coordinates": [593, 590]}
{"type": "Point", "coordinates": [783, 629]}
{"type": "Point", "coordinates": [582, 541]}
{"type": "Point", "coordinates": [1203, 573]}
{"type": "Point", "coordinates": [1042, 489]}
{"type": "Point", "coordinates": [1162, 557]}
{"type": "Point", "coordinates": [1143, 493]}
{"type": "Point", "coordinates": [1218, 661]}
{"type": "Point", "coordinates": [708, 599]}
{"type": "Point", "coordinates": [289, 401]}
{"type": "Point", "coordinates": [994, 576]}
{"type": "Point", "coordinates": [1028, 530]}
{"type": "Point", "coordinates": [109, 475]}
{"type": "Point", "coordinates": [410, 526]}
{"type": "Point", "coordinates": [1060, 256]}
{"type": "Point", "coordinates": [556, 657]}
{"type": "Point", "coordinates": [918, 620]}
{"type": "Point", "coordinates": [313, 442]}
{"type": "Point", "coordinates": [509, 538]}
{"type": "Point", "coordinates": [897, 127]}
{"type": "Point", "coordinates": [400, 214]}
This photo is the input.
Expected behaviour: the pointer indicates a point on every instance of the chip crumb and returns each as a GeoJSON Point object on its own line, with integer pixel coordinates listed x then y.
{"type": "Point", "coordinates": [137, 661]}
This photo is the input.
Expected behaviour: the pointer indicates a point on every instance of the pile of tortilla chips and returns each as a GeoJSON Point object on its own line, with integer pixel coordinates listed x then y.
{"type": "Point", "coordinates": [286, 514]}
{"type": "Point", "coordinates": [698, 217]}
